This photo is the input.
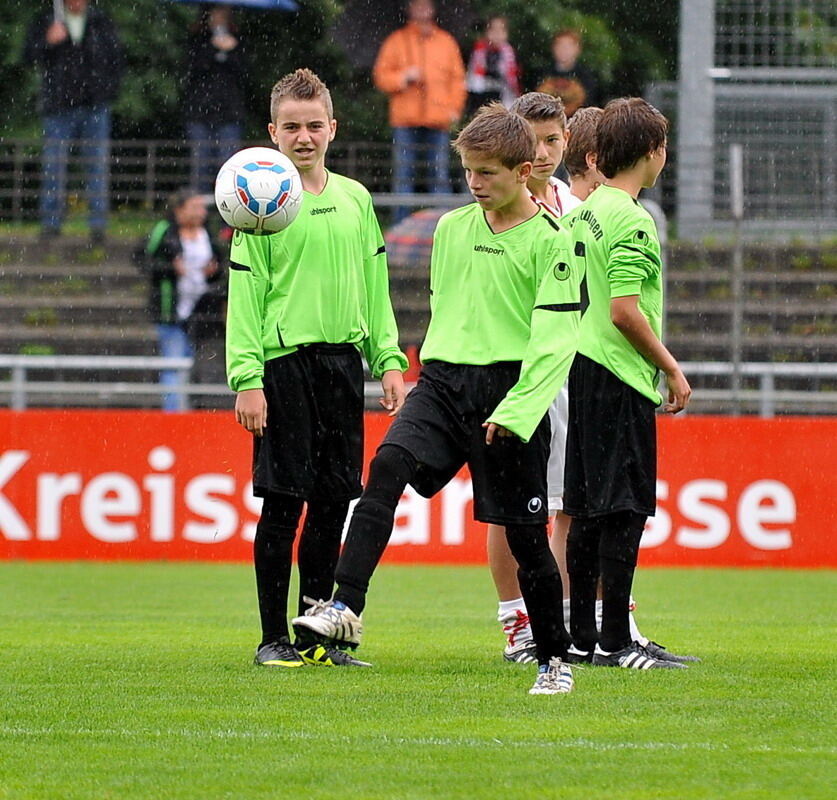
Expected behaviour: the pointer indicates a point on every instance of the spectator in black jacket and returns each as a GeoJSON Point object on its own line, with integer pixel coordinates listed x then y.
{"type": "Point", "coordinates": [182, 263]}
{"type": "Point", "coordinates": [213, 102]}
{"type": "Point", "coordinates": [569, 79]}
{"type": "Point", "coordinates": [78, 52]}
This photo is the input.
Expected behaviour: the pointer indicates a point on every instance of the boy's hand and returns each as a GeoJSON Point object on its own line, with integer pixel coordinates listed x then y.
{"type": "Point", "coordinates": [251, 411]}
{"type": "Point", "coordinates": [492, 430]}
{"type": "Point", "coordinates": [392, 382]}
{"type": "Point", "coordinates": [56, 33]}
{"type": "Point", "coordinates": [679, 392]}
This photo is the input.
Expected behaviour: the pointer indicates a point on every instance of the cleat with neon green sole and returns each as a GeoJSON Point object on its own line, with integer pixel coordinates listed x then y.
{"type": "Point", "coordinates": [330, 656]}
{"type": "Point", "coordinates": [278, 654]}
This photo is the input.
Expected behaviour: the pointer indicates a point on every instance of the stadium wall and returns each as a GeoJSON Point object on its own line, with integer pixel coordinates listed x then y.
{"type": "Point", "coordinates": [133, 485]}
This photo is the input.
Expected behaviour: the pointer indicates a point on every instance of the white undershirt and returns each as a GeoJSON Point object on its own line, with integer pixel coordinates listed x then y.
{"type": "Point", "coordinates": [191, 286]}
{"type": "Point", "coordinates": [75, 25]}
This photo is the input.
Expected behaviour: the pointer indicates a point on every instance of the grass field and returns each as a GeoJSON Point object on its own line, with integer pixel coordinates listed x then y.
{"type": "Point", "coordinates": [135, 680]}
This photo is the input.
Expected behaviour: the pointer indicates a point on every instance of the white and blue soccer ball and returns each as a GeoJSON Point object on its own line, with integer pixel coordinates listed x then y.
{"type": "Point", "coordinates": [258, 190]}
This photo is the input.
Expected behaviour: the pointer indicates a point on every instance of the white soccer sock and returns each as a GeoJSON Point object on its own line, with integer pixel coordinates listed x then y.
{"type": "Point", "coordinates": [567, 614]}
{"type": "Point", "coordinates": [636, 636]}
{"type": "Point", "coordinates": [599, 616]}
{"type": "Point", "coordinates": [507, 609]}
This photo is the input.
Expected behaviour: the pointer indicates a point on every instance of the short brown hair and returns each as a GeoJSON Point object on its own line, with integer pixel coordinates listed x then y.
{"type": "Point", "coordinates": [629, 129]}
{"type": "Point", "coordinates": [572, 33]}
{"type": "Point", "coordinates": [496, 132]}
{"type": "Point", "coordinates": [303, 84]}
{"type": "Point", "coordinates": [540, 107]}
{"type": "Point", "coordinates": [582, 128]}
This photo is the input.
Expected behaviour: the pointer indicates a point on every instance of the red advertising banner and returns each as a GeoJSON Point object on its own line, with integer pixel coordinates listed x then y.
{"type": "Point", "coordinates": [149, 485]}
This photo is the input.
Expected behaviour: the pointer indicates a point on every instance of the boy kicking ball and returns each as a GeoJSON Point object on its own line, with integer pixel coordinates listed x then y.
{"type": "Point", "coordinates": [489, 260]}
{"type": "Point", "coordinates": [303, 305]}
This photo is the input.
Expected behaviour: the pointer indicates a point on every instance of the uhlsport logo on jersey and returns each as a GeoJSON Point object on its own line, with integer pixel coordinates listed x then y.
{"type": "Point", "coordinates": [561, 271]}
{"type": "Point", "coordinates": [535, 505]}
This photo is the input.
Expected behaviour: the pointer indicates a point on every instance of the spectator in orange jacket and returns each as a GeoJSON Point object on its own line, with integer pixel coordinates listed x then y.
{"type": "Point", "coordinates": [420, 68]}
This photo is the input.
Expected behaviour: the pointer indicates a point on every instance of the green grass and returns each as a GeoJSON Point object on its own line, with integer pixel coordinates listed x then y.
{"type": "Point", "coordinates": [134, 680]}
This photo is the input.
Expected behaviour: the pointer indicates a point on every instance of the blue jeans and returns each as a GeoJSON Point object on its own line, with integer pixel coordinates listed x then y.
{"type": "Point", "coordinates": [427, 146]}
{"type": "Point", "coordinates": [90, 126]}
{"type": "Point", "coordinates": [212, 145]}
{"type": "Point", "coordinates": [174, 343]}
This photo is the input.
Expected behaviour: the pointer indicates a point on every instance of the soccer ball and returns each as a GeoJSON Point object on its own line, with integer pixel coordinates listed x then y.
{"type": "Point", "coordinates": [258, 190]}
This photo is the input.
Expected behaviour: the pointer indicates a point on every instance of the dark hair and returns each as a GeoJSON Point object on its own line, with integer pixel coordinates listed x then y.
{"type": "Point", "coordinates": [302, 84]}
{"type": "Point", "coordinates": [496, 132]}
{"type": "Point", "coordinates": [582, 128]}
{"type": "Point", "coordinates": [180, 197]}
{"type": "Point", "coordinates": [540, 107]}
{"type": "Point", "coordinates": [629, 129]}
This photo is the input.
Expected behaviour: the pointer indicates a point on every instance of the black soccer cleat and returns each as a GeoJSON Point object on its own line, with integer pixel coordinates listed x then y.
{"type": "Point", "coordinates": [576, 656]}
{"type": "Point", "coordinates": [634, 656]}
{"type": "Point", "coordinates": [278, 654]}
{"type": "Point", "coordinates": [329, 656]}
{"type": "Point", "coordinates": [659, 652]}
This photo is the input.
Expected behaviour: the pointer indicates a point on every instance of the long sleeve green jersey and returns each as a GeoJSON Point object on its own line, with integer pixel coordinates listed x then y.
{"type": "Point", "coordinates": [323, 279]}
{"type": "Point", "coordinates": [483, 286]}
{"type": "Point", "coordinates": [551, 346]}
{"type": "Point", "coordinates": [622, 254]}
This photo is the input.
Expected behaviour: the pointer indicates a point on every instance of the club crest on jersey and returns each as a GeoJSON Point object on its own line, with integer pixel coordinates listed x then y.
{"type": "Point", "coordinates": [561, 271]}
{"type": "Point", "coordinates": [535, 505]}
{"type": "Point", "coordinates": [237, 237]}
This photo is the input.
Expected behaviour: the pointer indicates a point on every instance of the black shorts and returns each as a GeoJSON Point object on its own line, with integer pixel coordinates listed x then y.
{"type": "Point", "coordinates": [313, 444]}
{"type": "Point", "coordinates": [611, 445]}
{"type": "Point", "coordinates": [441, 426]}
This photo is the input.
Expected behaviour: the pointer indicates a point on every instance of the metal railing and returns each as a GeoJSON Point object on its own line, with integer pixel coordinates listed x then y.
{"type": "Point", "coordinates": [20, 388]}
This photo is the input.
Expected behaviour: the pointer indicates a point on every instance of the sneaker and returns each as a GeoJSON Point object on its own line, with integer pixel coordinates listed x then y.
{"type": "Point", "coordinates": [520, 646]}
{"type": "Point", "coordinates": [576, 656]}
{"type": "Point", "coordinates": [634, 656]}
{"type": "Point", "coordinates": [660, 653]}
{"type": "Point", "coordinates": [330, 622]}
{"type": "Point", "coordinates": [523, 652]}
{"type": "Point", "coordinates": [278, 654]}
{"type": "Point", "coordinates": [329, 656]}
{"type": "Point", "coordinates": [556, 677]}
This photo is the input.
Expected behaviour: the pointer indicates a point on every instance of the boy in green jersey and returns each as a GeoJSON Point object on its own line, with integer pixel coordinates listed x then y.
{"type": "Point", "coordinates": [303, 305]}
{"type": "Point", "coordinates": [610, 478]}
{"type": "Point", "coordinates": [493, 261]}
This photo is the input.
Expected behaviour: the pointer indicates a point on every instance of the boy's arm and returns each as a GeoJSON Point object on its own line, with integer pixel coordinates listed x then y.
{"type": "Point", "coordinates": [632, 259]}
{"type": "Point", "coordinates": [380, 347]}
{"type": "Point", "coordinates": [549, 354]}
{"type": "Point", "coordinates": [632, 324]}
{"type": "Point", "coordinates": [248, 285]}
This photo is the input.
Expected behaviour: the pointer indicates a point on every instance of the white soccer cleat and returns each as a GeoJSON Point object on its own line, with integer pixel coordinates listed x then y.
{"type": "Point", "coordinates": [330, 622]}
{"type": "Point", "coordinates": [553, 678]}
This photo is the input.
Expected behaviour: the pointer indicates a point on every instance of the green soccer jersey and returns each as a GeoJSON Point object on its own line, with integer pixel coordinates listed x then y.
{"type": "Point", "coordinates": [483, 285]}
{"type": "Point", "coordinates": [622, 255]}
{"type": "Point", "coordinates": [321, 280]}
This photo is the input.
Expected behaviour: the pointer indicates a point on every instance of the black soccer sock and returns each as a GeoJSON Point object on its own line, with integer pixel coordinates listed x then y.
{"type": "Point", "coordinates": [618, 552]}
{"type": "Point", "coordinates": [583, 570]}
{"type": "Point", "coordinates": [319, 548]}
{"type": "Point", "coordinates": [371, 526]}
{"type": "Point", "coordinates": [540, 585]}
{"type": "Point", "coordinates": [272, 550]}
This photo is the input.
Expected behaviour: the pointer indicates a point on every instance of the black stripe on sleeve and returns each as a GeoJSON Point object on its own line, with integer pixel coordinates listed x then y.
{"type": "Point", "coordinates": [650, 256]}
{"type": "Point", "coordinates": [560, 307]}
{"type": "Point", "coordinates": [239, 267]}
{"type": "Point", "coordinates": [381, 249]}
{"type": "Point", "coordinates": [551, 222]}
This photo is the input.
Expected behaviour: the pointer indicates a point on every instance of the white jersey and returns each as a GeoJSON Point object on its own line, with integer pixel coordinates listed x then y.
{"type": "Point", "coordinates": [562, 200]}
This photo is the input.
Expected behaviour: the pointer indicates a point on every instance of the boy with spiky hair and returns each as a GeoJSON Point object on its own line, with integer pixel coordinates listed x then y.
{"type": "Point", "coordinates": [580, 156]}
{"type": "Point", "coordinates": [489, 260]}
{"type": "Point", "coordinates": [610, 480]}
{"type": "Point", "coordinates": [545, 114]}
{"type": "Point", "coordinates": [304, 304]}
